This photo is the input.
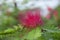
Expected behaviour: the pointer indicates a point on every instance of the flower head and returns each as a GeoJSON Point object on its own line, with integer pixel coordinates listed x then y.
{"type": "Point", "coordinates": [55, 13]}
{"type": "Point", "coordinates": [49, 9]}
{"type": "Point", "coordinates": [31, 18]}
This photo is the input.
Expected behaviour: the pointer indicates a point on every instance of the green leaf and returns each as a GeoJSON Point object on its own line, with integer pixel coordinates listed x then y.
{"type": "Point", "coordinates": [34, 34]}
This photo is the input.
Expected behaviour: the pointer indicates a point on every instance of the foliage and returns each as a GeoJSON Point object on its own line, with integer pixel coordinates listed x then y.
{"type": "Point", "coordinates": [10, 29]}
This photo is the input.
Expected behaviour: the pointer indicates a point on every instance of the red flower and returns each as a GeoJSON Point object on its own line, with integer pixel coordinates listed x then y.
{"type": "Point", "coordinates": [48, 16]}
{"type": "Point", "coordinates": [55, 13]}
{"type": "Point", "coordinates": [31, 18]}
{"type": "Point", "coordinates": [49, 9]}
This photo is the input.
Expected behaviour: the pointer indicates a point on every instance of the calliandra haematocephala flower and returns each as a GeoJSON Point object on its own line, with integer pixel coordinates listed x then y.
{"type": "Point", "coordinates": [31, 18]}
{"type": "Point", "coordinates": [52, 11]}
{"type": "Point", "coordinates": [49, 14]}
{"type": "Point", "coordinates": [55, 13]}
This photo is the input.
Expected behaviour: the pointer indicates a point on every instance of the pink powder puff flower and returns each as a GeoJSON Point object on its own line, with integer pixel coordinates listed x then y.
{"type": "Point", "coordinates": [31, 18]}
